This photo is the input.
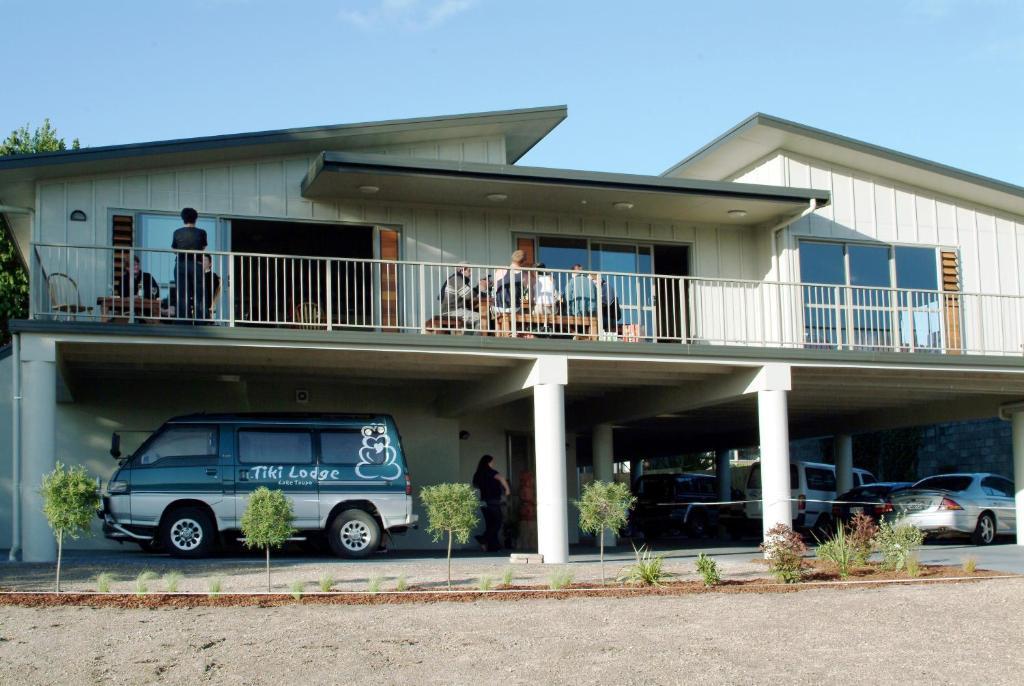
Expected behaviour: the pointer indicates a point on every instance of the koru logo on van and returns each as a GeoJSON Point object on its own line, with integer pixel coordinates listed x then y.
{"type": "Point", "coordinates": [377, 457]}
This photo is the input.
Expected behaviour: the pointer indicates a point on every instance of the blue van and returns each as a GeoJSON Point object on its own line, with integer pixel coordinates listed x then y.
{"type": "Point", "coordinates": [186, 487]}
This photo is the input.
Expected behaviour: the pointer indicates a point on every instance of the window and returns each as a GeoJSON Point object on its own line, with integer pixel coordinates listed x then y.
{"type": "Point", "coordinates": [340, 447]}
{"type": "Point", "coordinates": [997, 486]}
{"type": "Point", "coordinates": [866, 478]}
{"type": "Point", "coordinates": [275, 447]}
{"type": "Point", "coordinates": [754, 480]}
{"type": "Point", "coordinates": [820, 479]}
{"type": "Point", "coordinates": [181, 441]}
{"type": "Point", "coordinates": [562, 253]}
{"type": "Point", "coordinates": [945, 483]}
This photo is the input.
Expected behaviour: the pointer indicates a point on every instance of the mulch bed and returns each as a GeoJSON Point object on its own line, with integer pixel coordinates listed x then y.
{"type": "Point", "coordinates": [817, 576]}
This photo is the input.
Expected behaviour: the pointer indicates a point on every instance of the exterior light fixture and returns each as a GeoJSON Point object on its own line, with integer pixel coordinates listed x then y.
{"type": "Point", "coordinates": [737, 214]}
{"type": "Point", "coordinates": [497, 197]}
{"type": "Point", "coordinates": [78, 216]}
{"type": "Point", "coordinates": [369, 190]}
{"type": "Point", "coordinates": [622, 205]}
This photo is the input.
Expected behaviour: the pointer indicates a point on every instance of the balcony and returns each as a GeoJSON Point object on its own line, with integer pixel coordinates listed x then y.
{"type": "Point", "coordinates": [89, 283]}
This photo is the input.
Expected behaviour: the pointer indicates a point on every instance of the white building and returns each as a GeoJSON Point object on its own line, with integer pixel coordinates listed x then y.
{"type": "Point", "coordinates": [781, 282]}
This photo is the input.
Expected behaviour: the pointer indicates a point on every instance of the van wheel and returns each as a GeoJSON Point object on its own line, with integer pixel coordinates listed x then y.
{"type": "Point", "coordinates": [697, 526]}
{"type": "Point", "coordinates": [985, 531]}
{"type": "Point", "coordinates": [354, 533]}
{"type": "Point", "coordinates": [187, 532]}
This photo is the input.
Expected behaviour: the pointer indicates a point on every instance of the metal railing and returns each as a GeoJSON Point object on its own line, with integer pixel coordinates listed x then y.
{"type": "Point", "coordinates": [76, 282]}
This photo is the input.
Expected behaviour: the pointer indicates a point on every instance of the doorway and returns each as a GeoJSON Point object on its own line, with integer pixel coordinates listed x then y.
{"type": "Point", "coordinates": [672, 260]}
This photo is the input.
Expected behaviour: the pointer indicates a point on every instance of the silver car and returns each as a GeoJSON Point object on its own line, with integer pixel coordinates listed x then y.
{"type": "Point", "coordinates": [979, 505]}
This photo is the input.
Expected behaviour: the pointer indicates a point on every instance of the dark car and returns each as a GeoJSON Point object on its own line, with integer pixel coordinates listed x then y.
{"type": "Point", "coordinates": [874, 500]}
{"type": "Point", "coordinates": [670, 505]}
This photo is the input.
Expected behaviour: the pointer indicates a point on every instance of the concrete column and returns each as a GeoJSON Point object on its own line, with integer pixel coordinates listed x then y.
{"type": "Point", "coordinates": [773, 426]}
{"type": "Point", "coordinates": [842, 448]}
{"type": "Point", "coordinates": [1017, 428]}
{"type": "Point", "coordinates": [38, 445]}
{"type": "Point", "coordinates": [723, 474]}
{"type": "Point", "coordinates": [552, 503]}
{"type": "Point", "coordinates": [604, 463]}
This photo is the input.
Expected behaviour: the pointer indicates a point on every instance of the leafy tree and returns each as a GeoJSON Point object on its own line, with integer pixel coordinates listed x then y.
{"type": "Point", "coordinates": [13, 278]}
{"type": "Point", "coordinates": [604, 506]}
{"type": "Point", "coordinates": [70, 501]}
{"type": "Point", "coordinates": [451, 510]}
{"type": "Point", "coordinates": [267, 521]}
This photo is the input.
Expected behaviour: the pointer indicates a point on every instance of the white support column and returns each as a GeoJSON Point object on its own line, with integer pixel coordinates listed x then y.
{"type": "Point", "coordinates": [723, 474]}
{"type": "Point", "coordinates": [1017, 424]}
{"type": "Point", "coordinates": [552, 503]}
{"type": "Point", "coordinates": [773, 424]}
{"type": "Point", "coordinates": [842, 448]}
{"type": "Point", "coordinates": [38, 444]}
{"type": "Point", "coordinates": [604, 463]}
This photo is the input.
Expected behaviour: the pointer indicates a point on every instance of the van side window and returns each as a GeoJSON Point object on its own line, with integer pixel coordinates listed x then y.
{"type": "Point", "coordinates": [820, 479]}
{"type": "Point", "coordinates": [266, 446]}
{"type": "Point", "coordinates": [340, 447]}
{"type": "Point", "coordinates": [867, 478]}
{"type": "Point", "coordinates": [181, 441]}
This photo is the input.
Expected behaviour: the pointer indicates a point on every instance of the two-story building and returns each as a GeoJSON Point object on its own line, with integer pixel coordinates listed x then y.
{"type": "Point", "coordinates": [781, 282]}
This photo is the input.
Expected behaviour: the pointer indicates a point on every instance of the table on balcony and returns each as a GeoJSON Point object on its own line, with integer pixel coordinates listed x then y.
{"type": "Point", "coordinates": [118, 309]}
{"type": "Point", "coordinates": [530, 322]}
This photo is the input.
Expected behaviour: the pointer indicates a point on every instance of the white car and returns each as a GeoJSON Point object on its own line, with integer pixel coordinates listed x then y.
{"type": "Point", "coordinates": [979, 505]}
{"type": "Point", "coordinates": [812, 488]}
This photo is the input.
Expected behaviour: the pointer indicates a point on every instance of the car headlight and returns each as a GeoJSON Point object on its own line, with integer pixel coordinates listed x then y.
{"type": "Point", "coordinates": [117, 487]}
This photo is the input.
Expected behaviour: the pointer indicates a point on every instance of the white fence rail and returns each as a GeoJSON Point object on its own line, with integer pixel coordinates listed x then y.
{"type": "Point", "coordinates": [72, 282]}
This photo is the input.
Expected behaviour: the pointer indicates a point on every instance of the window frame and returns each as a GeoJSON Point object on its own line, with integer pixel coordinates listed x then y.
{"type": "Point", "coordinates": [313, 457]}
{"type": "Point", "coordinates": [137, 463]}
{"type": "Point", "coordinates": [335, 430]}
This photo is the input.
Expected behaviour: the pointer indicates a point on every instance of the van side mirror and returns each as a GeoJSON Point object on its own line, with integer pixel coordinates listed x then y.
{"type": "Point", "coordinates": [115, 445]}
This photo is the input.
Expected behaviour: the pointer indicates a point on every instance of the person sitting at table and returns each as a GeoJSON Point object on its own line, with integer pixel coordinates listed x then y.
{"type": "Point", "coordinates": [580, 294]}
{"type": "Point", "coordinates": [460, 298]}
{"type": "Point", "coordinates": [145, 285]}
{"type": "Point", "coordinates": [508, 291]}
{"type": "Point", "coordinates": [209, 291]}
{"type": "Point", "coordinates": [609, 303]}
{"type": "Point", "coordinates": [545, 292]}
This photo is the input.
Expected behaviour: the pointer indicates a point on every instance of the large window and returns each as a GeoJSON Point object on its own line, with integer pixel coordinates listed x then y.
{"type": "Point", "coordinates": [849, 296]}
{"type": "Point", "coordinates": [275, 447]}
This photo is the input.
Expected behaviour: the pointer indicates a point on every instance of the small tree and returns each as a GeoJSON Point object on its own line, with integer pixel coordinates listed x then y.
{"type": "Point", "coordinates": [267, 522]}
{"type": "Point", "coordinates": [604, 506]}
{"type": "Point", "coordinates": [70, 501]}
{"type": "Point", "coordinates": [451, 510]}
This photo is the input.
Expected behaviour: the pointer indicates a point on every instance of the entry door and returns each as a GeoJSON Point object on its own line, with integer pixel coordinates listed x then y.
{"type": "Point", "coordinates": [278, 458]}
{"type": "Point", "coordinates": [634, 294]}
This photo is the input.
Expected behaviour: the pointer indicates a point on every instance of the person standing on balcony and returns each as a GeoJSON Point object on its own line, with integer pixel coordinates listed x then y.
{"type": "Point", "coordinates": [187, 272]}
{"type": "Point", "coordinates": [460, 299]}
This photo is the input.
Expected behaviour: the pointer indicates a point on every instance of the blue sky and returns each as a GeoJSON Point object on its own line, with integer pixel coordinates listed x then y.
{"type": "Point", "coordinates": [646, 82]}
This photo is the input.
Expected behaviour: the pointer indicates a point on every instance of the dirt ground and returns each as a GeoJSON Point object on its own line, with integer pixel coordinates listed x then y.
{"type": "Point", "coordinates": [939, 633]}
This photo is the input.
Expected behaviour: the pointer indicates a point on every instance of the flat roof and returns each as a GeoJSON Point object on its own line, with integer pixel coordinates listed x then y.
{"type": "Point", "coordinates": [761, 134]}
{"type": "Point", "coordinates": [346, 175]}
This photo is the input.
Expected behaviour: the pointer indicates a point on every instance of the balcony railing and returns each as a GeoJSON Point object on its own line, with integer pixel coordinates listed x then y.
{"type": "Point", "coordinates": [215, 288]}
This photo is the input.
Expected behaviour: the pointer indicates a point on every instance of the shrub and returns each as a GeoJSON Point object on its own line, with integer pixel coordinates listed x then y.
{"type": "Point", "coordinates": [837, 549]}
{"type": "Point", "coordinates": [560, 579]}
{"type": "Point", "coordinates": [172, 580]}
{"type": "Point", "coordinates": [401, 584]}
{"type": "Point", "coordinates": [373, 583]}
{"type": "Point", "coordinates": [913, 565]}
{"type": "Point", "coordinates": [897, 542]}
{"type": "Point", "coordinates": [969, 565]}
{"type": "Point", "coordinates": [326, 583]}
{"type": "Point", "coordinates": [485, 583]}
{"type": "Point", "coordinates": [604, 507]}
{"type": "Point", "coordinates": [215, 585]}
{"type": "Point", "coordinates": [297, 587]}
{"type": "Point", "coordinates": [451, 510]}
{"type": "Point", "coordinates": [863, 531]}
{"type": "Point", "coordinates": [142, 581]}
{"type": "Point", "coordinates": [267, 521]}
{"type": "Point", "coordinates": [506, 577]}
{"type": "Point", "coordinates": [103, 582]}
{"type": "Point", "coordinates": [70, 501]}
{"type": "Point", "coordinates": [784, 550]}
{"type": "Point", "coordinates": [708, 570]}
{"type": "Point", "coordinates": [647, 570]}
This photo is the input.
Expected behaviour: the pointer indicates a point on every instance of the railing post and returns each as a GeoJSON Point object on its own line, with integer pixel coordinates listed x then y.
{"type": "Point", "coordinates": [131, 284]}
{"type": "Point", "coordinates": [231, 290]}
{"type": "Point", "coordinates": [423, 298]}
{"type": "Point", "coordinates": [600, 306]}
{"type": "Point", "coordinates": [839, 320]}
{"type": "Point", "coordinates": [683, 322]}
{"type": "Point", "coordinates": [330, 294]}
{"type": "Point", "coordinates": [851, 340]}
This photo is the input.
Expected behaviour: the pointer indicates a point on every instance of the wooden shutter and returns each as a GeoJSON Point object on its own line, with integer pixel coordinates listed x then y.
{"type": "Point", "coordinates": [122, 239]}
{"type": "Point", "coordinates": [388, 250]}
{"type": "Point", "coordinates": [951, 288]}
{"type": "Point", "coordinates": [527, 246]}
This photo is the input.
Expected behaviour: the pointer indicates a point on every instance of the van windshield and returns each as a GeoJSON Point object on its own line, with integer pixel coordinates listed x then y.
{"type": "Point", "coordinates": [754, 480]}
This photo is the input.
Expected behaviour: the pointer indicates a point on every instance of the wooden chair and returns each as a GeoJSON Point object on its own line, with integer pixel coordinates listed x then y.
{"type": "Point", "coordinates": [445, 324]}
{"type": "Point", "coordinates": [64, 296]}
{"type": "Point", "coordinates": [307, 315]}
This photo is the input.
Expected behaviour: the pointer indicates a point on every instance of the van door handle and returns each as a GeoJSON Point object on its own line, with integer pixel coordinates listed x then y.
{"type": "Point", "coordinates": [211, 471]}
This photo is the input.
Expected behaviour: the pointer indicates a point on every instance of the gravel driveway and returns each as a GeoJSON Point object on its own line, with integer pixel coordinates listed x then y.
{"type": "Point", "coordinates": [928, 634]}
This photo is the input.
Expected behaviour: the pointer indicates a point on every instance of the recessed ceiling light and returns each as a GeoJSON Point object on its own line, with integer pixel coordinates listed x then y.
{"type": "Point", "coordinates": [737, 213]}
{"type": "Point", "coordinates": [369, 190]}
{"type": "Point", "coordinates": [497, 197]}
{"type": "Point", "coordinates": [622, 205]}
{"type": "Point", "coordinates": [583, 202]}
